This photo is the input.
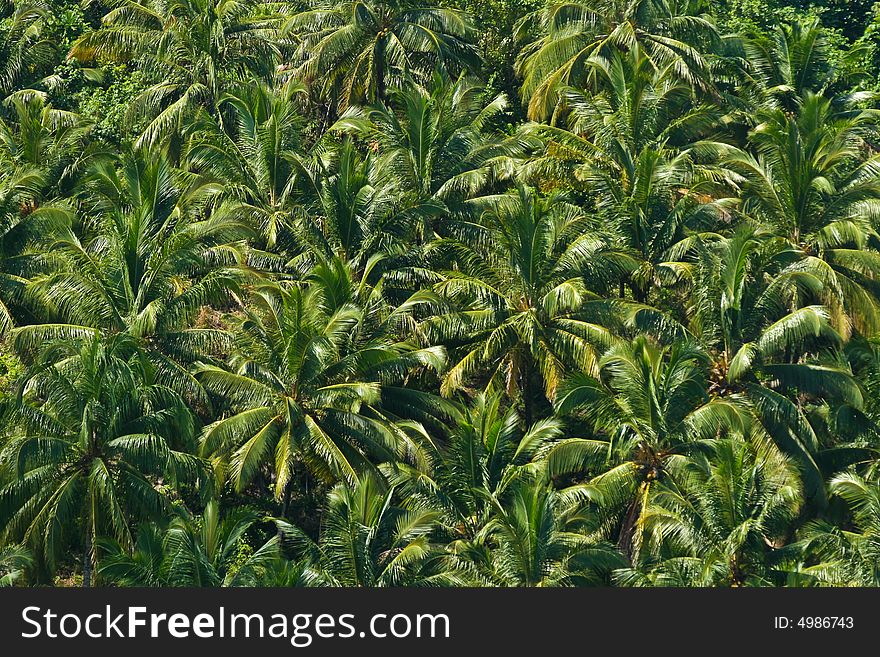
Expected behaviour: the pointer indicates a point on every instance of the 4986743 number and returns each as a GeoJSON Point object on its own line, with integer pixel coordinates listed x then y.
{"type": "Point", "coordinates": [814, 622]}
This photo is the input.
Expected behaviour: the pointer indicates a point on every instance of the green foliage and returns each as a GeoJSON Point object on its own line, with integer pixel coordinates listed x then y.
{"type": "Point", "coordinates": [11, 368]}
{"type": "Point", "coordinates": [107, 100]}
{"type": "Point", "coordinates": [478, 293]}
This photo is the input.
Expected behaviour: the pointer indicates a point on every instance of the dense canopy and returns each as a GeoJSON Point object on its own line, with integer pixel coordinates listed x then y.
{"type": "Point", "coordinates": [439, 293]}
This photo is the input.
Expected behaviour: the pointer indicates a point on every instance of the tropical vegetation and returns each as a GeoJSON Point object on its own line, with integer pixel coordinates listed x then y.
{"type": "Point", "coordinates": [439, 293]}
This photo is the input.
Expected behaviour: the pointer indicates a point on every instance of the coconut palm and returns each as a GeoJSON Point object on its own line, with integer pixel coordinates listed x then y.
{"type": "Point", "coordinates": [722, 522]}
{"type": "Point", "coordinates": [188, 48]}
{"type": "Point", "coordinates": [757, 311]}
{"type": "Point", "coordinates": [25, 47]}
{"type": "Point", "coordinates": [485, 447]}
{"type": "Point", "coordinates": [536, 541]}
{"type": "Point", "coordinates": [14, 563]}
{"type": "Point", "coordinates": [341, 316]}
{"type": "Point", "coordinates": [640, 147]}
{"type": "Point", "coordinates": [24, 227]}
{"type": "Point", "coordinates": [648, 410]}
{"type": "Point", "coordinates": [354, 52]}
{"type": "Point", "coordinates": [522, 303]}
{"type": "Point", "coordinates": [41, 138]}
{"type": "Point", "coordinates": [141, 266]}
{"type": "Point", "coordinates": [572, 32]}
{"type": "Point", "coordinates": [93, 436]}
{"type": "Point", "coordinates": [367, 540]}
{"type": "Point", "coordinates": [306, 204]}
{"type": "Point", "coordinates": [434, 150]}
{"type": "Point", "coordinates": [845, 555]}
{"type": "Point", "coordinates": [192, 551]}
{"type": "Point", "coordinates": [37, 145]}
{"type": "Point", "coordinates": [440, 143]}
{"type": "Point", "coordinates": [253, 158]}
{"type": "Point", "coordinates": [796, 59]}
{"type": "Point", "coordinates": [350, 209]}
{"type": "Point", "coordinates": [810, 183]}
{"type": "Point", "coordinates": [314, 382]}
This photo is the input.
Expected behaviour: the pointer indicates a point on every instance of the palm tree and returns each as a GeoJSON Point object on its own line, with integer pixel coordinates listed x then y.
{"type": "Point", "coordinates": [339, 279]}
{"type": "Point", "coordinates": [434, 150]}
{"type": "Point", "coordinates": [24, 227]}
{"type": "Point", "coordinates": [521, 307]}
{"type": "Point", "coordinates": [366, 540]}
{"type": "Point", "coordinates": [810, 183]}
{"type": "Point", "coordinates": [795, 59]}
{"type": "Point", "coordinates": [14, 563]}
{"type": "Point", "coordinates": [314, 382]}
{"type": "Point", "coordinates": [440, 143]}
{"type": "Point", "coordinates": [25, 46]}
{"type": "Point", "coordinates": [845, 555]}
{"type": "Point", "coordinates": [537, 541]}
{"type": "Point", "coordinates": [485, 447]}
{"type": "Point", "coordinates": [572, 32]}
{"type": "Point", "coordinates": [772, 344]}
{"type": "Point", "coordinates": [640, 147]}
{"type": "Point", "coordinates": [36, 149]}
{"type": "Point", "coordinates": [15, 236]}
{"type": "Point", "coordinates": [191, 551]}
{"type": "Point", "coordinates": [307, 204]}
{"type": "Point", "coordinates": [722, 522]}
{"type": "Point", "coordinates": [140, 266]}
{"type": "Point", "coordinates": [93, 437]}
{"type": "Point", "coordinates": [350, 210]}
{"type": "Point", "coordinates": [41, 138]}
{"type": "Point", "coordinates": [253, 156]}
{"type": "Point", "coordinates": [355, 51]}
{"type": "Point", "coordinates": [648, 409]}
{"type": "Point", "coordinates": [188, 48]}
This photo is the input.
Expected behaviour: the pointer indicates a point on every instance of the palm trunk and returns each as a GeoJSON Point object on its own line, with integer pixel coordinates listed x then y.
{"type": "Point", "coordinates": [628, 527]}
{"type": "Point", "coordinates": [285, 508]}
{"type": "Point", "coordinates": [87, 556]}
{"type": "Point", "coordinates": [285, 504]}
{"type": "Point", "coordinates": [640, 295]}
{"type": "Point", "coordinates": [380, 71]}
{"type": "Point", "coordinates": [527, 392]}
